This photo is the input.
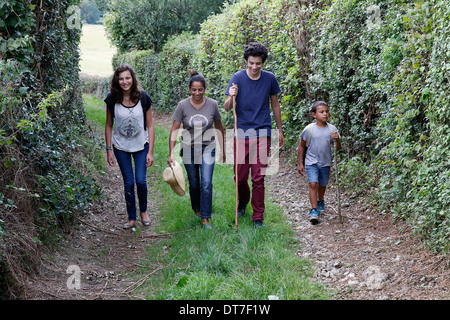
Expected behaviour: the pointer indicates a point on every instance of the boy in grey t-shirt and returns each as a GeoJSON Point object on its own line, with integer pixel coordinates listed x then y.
{"type": "Point", "coordinates": [318, 156]}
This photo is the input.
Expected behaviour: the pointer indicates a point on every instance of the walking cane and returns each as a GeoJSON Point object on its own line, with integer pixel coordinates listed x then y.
{"type": "Point", "coordinates": [337, 182]}
{"type": "Point", "coordinates": [236, 161]}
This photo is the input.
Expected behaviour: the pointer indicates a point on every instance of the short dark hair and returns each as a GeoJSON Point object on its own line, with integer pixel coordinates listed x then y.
{"type": "Point", "coordinates": [255, 49]}
{"type": "Point", "coordinates": [196, 77]}
{"type": "Point", "coordinates": [317, 104]}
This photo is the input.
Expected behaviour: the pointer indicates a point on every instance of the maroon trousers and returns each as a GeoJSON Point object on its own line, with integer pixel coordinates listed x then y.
{"type": "Point", "coordinates": [253, 155]}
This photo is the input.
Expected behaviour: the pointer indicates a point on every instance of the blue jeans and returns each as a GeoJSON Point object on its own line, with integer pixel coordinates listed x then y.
{"type": "Point", "coordinates": [130, 178]}
{"type": "Point", "coordinates": [318, 174]}
{"type": "Point", "coordinates": [199, 164]}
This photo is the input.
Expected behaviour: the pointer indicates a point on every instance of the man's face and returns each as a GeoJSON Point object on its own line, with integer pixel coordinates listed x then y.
{"type": "Point", "coordinates": [254, 65]}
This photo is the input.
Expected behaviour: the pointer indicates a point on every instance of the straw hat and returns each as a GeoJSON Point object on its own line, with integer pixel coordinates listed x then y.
{"type": "Point", "coordinates": [174, 176]}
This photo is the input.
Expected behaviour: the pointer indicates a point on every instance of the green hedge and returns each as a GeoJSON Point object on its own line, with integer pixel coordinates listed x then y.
{"type": "Point", "coordinates": [177, 59]}
{"type": "Point", "coordinates": [47, 152]}
{"type": "Point", "coordinates": [95, 85]}
{"type": "Point", "coordinates": [389, 82]}
{"type": "Point", "coordinates": [164, 76]}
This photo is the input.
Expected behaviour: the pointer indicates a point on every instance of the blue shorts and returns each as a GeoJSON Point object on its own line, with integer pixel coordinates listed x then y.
{"type": "Point", "coordinates": [318, 174]}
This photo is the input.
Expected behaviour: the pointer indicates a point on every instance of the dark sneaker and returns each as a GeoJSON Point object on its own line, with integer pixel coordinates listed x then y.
{"type": "Point", "coordinates": [258, 223]}
{"type": "Point", "coordinates": [314, 216]}
{"type": "Point", "coordinates": [241, 209]}
{"type": "Point", "coordinates": [321, 206]}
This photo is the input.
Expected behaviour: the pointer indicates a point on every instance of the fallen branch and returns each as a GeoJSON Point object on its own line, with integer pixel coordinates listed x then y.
{"type": "Point", "coordinates": [141, 281]}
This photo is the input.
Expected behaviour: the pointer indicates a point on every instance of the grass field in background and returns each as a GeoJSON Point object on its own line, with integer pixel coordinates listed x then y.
{"type": "Point", "coordinates": [95, 110]}
{"type": "Point", "coordinates": [96, 51]}
{"type": "Point", "coordinates": [219, 263]}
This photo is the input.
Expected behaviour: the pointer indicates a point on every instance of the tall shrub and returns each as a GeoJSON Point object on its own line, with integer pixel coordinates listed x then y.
{"type": "Point", "coordinates": [177, 59]}
{"type": "Point", "coordinates": [46, 148]}
{"type": "Point", "coordinates": [417, 170]}
{"type": "Point", "coordinates": [386, 79]}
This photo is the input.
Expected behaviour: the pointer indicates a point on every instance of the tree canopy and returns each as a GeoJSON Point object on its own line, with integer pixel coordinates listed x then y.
{"type": "Point", "coordinates": [147, 24]}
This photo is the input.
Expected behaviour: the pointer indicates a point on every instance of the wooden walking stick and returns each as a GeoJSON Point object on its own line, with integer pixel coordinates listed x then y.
{"type": "Point", "coordinates": [337, 181]}
{"type": "Point", "coordinates": [236, 161]}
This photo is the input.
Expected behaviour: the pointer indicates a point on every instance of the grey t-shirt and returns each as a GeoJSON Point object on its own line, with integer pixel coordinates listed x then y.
{"type": "Point", "coordinates": [319, 150]}
{"type": "Point", "coordinates": [198, 123]}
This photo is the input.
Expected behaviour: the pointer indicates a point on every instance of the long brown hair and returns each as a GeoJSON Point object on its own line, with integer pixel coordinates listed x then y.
{"type": "Point", "coordinates": [116, 91]}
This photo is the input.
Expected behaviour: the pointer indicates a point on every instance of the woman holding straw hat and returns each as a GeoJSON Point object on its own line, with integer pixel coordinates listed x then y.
{"type": "Point", "coordinates": [200, 118]}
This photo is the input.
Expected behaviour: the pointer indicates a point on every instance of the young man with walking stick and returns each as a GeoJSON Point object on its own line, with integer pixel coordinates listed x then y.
{"type": "Point", "coordinates": [254, 91]}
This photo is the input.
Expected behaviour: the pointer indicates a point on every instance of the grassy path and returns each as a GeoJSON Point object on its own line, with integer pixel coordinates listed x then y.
{"type": "Point", "coordinates": [221, 264]}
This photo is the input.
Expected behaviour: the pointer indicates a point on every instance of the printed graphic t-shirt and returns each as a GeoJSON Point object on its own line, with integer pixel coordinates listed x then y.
{"type": "Point", "coordinates": [129, 134]}
{"type": "Point", "coordinates": [197, 123]}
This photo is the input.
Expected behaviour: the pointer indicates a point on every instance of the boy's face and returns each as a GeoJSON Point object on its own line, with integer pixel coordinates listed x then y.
{"type": "Point", "coordinates": [321, 113]}
{"type": "Point", "coordinates": [254, 65]}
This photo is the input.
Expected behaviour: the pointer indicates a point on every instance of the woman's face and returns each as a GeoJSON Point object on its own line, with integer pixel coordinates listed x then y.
{"type": "Point", "coordinates": [197, 91]}
{"type": "Point", "coordinates": [125, 81]}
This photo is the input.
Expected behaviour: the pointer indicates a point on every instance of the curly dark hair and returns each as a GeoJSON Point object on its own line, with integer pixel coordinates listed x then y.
{"type": "Point", "coordinates": [116, 91]}
{"type": "Point", "coordinates": [255, 49]}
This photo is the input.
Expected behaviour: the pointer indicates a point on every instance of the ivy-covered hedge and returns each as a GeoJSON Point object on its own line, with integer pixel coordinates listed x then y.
{"type": "Point", "coordinates": [47, 151]}
{"type": "Point", "coordinates": [164, 76]}
{"type": "Point", "coordinates": [384, 65]}
{"type": "Point", "coordinates": [95, 85]}
{"type": "Point", "coordinates": [418, 164]}
{"type": "Point", "coordinates": [177, 59]}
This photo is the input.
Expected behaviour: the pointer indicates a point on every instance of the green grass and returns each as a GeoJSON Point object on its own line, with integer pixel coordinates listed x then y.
{"type": "Point", "coordinates": [220, 263]}
{"type": "Point", "coordinates": [96, 51]}
{"type": "Point", "coordinates": [223, 264]}
{"type": "Point", "coordinates": [95, 110]}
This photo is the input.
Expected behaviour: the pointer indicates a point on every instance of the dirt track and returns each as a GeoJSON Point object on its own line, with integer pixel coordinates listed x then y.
{"type": "Point", "coordinates": [367, 257]}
